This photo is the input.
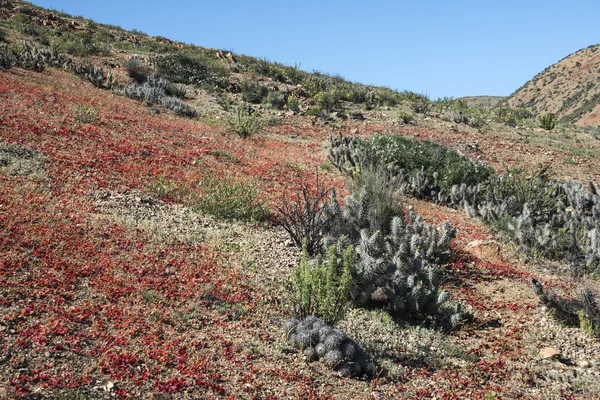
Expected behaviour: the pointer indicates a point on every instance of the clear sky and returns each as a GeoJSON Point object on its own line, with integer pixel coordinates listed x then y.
{"type": "Point", "coordinates": [441, 48]}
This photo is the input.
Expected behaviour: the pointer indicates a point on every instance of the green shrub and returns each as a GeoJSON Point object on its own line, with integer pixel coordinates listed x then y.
{"type": "Point", "coordinates": [314, 85]}
{"type": "Point", "coordinates": [384, 201]}
{"type": "Point", "coordinates": [327, 101]}
{"type": "Point", "coordinates": [434, 160]}
{"type": "Point", "coordinates": [2, 34]}
{"type": "Point", "coordinates": [421, 104]}
{"type": "Point", "coordinates": [262, 66]}
{"type": "Point", "coordinates": [274, 99]}
{"type": "Point", "coordinates": [227, 199]}
{"type": "Point", "coordinates": [136, 70]}
{"type": "Point", "coordinates": [164, 188]}
{"type": "Point", "coordinates": [315, 111]}
{"type": "Point", "coordinates": [253, 92]}
{"type": "Point", "coordinates": [587, 326]}
{"type": "Point", "coordinates": [184, 68]}
{"type": "Point", "coordinates": [322, 288]}
{"type": "Point", "coordinates": [293, 103]}
{"type": "Point", "coordinates": [245, 123]}
{"type": "Point", "coordinates": [406, 118]}
{"type": "Point", "coordinates": [548, 121]}
{"type": "Point", "coordinates": [511, 116]}
{"type": "Point", "coordinates": [478, 117]}
{"type": "Point", "coordinates": [523, 113]}
{"type": "Point", "coordinates": [85, 114]}
{"type": "Point", "coordinates": [524, 186]}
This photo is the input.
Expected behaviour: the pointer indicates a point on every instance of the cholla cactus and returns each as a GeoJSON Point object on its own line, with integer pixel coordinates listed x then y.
{"type": "Point", "coordinates": [157, 91]}
{"type": "Point", "coordinates": [397, 267]}
{"type": "Point", "coordinates": [24, 56]}
{"type": "Point", "coordinates": [319, 341]}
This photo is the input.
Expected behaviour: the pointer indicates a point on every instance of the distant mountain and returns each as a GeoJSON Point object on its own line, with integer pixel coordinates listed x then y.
{"type": "Point", "coordinates": [570, 89]}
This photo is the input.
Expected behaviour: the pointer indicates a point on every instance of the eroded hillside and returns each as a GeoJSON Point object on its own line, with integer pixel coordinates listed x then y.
{"type": "Point", "coordinates": [570, 89]}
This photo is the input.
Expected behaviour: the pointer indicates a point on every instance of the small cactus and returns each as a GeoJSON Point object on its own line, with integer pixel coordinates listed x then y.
{"type": "Point", "coordinates": [333, 347]}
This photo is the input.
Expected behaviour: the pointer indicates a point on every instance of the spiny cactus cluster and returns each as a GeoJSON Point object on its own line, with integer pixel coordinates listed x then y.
{"type": "Point", "coordinates": [545, 217]}
{"type": "Point", "coordinates": [35, 58]}
{"type": "Point", "coordinates": [397, 260]}
{"type": "Point", "coordinates": [158, 91]}
{"type": "Point", "coordinates": [25, 56]}
{"type": "Point", "coordinates": [90, 72]}
{"type": "Point", "coordinates": [328, 345]}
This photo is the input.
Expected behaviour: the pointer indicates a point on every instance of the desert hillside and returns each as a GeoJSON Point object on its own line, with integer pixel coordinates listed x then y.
{"type": "Point", "coordinates": [483, 101]}
{"type": "Point", "coordinates": [570, 89]}
{"type": "Point", "coordinates": [185, 222]}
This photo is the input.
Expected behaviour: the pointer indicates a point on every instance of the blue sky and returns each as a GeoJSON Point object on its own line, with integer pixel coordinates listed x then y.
{"type": "Point", "coordinates": [441, 48]}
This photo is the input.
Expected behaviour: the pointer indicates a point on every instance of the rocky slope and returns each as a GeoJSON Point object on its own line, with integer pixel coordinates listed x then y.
{"type": "Point", "coordinates": [570, 89]}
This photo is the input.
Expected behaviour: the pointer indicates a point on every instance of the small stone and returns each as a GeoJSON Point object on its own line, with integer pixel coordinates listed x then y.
{"type": "Point", "coordinates": [584, 364]}
{"type": "Point", "coordinates": [549, 352]}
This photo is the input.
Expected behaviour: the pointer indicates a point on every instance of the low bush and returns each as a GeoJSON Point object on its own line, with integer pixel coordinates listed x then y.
{"type": "Point", "coordinates": [293, 103]}
{"type": "Point", "coordinates": [136, 70]}
{"type": "Point", "coordinates": [442, 166]}
{"type": "Point", "coordinates": [406, 118]}
{"type": "Point", "coordinates": [548, 121]}
{"type": "Point", "coordinates": [421, 104]}
{"type": "Point", "coordinates": [253, 92]}
{"type": "Point", "coordinates": [511, 116]}
{"type": "Point", "coordinates": [274, 99]}
{"type": "Point", "coordinates": [244, 123]}
{"type": "Point", "coordinates": [323, 288]}
{"type": "Point", "coordinates": [188, 69]}
{"type": "Point", "coordinates": [302, 216]}
{"type": "Point", "coordinates": [328, 101]}
{"type": "Point", "coordinates": [228, 199]}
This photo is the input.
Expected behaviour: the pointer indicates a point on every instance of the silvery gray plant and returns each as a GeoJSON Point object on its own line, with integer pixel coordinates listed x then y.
{"type": "Point", "coordinates": [560, 220]}
{"type": "Point", "coordinates": [157, 90]}
{"type": "Point", "coordinates": [333, 347]}
{"type": "Point", "coordinates": [397, 261]}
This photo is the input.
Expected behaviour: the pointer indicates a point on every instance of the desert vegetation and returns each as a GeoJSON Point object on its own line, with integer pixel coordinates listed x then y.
{"type": "Point", "coordinates": [192, 222]}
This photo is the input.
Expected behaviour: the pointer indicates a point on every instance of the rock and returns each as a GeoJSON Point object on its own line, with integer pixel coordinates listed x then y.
{"type": "Point", "coordinates": [584, 364]}
{"type": "Point", "coordinates": [549, 352]}
{"type": "Point", "coordinates": [357, 115]}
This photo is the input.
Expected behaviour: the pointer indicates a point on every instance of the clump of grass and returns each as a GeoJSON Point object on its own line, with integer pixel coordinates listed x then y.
{"type": "Point", "coordinates": [164, 188]}
{"type": "Point", "coordinates": [228, 199]}
{"type": "Point", "coordinates": [85, 114]}
{"type": "Point", "coordinates": [406, 118]}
